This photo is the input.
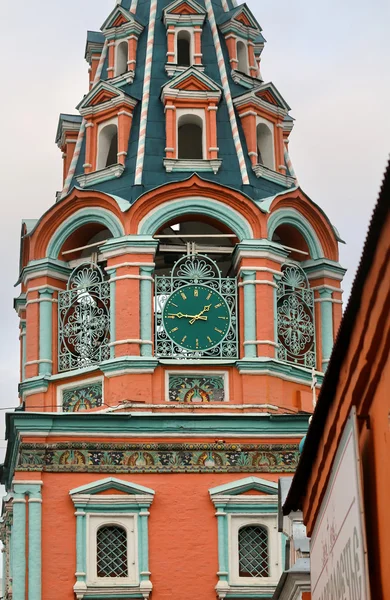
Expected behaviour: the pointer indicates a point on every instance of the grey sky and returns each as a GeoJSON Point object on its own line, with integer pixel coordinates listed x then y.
{"type": "Point", "coordinates": [330, 60]}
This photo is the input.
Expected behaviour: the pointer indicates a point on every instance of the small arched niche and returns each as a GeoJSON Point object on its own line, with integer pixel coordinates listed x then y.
{"type": "Point", "coordinates": [184, 49]}
{"type": "Point", "coordinates": [107, 146]}
{"type": "Point", "coordinates": [242, 57]}
{"type": "Point", "coordinates": [265, 146]}
{"type": "Point", "coordinates": [190, 137]}
{"type": "Point", "coordinates": [121, 59]}
{"type": "Point", "coordinates": [292, 239]}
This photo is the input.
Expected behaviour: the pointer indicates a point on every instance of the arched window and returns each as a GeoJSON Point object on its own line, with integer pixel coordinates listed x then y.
{"type": "Point", "coordinates": [121, 59]}
{"type": "Point", "coordinates": [265, 147]}
{"type": "Point", "coordinates": [111, 552]}
{"type": "Point", "coordinates": [253, 551]}
{"type": "Point", "coordinates": [184, 49]}
{"type": "Point", "coordinates": [190, 137]}
{"type": "Point", "coordinates": [242, 56]}
{"type": "Point", "coordinates": [108, 146]}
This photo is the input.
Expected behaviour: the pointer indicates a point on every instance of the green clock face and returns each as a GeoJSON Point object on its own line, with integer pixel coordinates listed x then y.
{"type": "Point", "coordinates": [196, 317]}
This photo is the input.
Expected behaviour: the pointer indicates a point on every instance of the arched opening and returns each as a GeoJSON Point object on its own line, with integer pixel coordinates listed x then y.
{"type": "Point", "coordinates": [121, 59]}
{"type": "Point", "coordinates": [253, 551]}
{"type": "Point", "coordinates": [108, 146]}
{"type": "Point", "coordinates": [265, 147]}
{"type": "Point", "coordinates": [184, 49]}
{"type": "Point", "coordinates": [195, 256]}
{"type": "Point", "coordinates": [242, 57]}
{"type": "Point", "coordinates": [190, 137]}
{"type": "Point", "coordinates": [292, 239]}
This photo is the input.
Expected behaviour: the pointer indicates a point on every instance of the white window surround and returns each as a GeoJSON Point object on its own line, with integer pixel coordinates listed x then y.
{"type": "Point", "coordinates": [191, 32]}
{"type": "Point", "coordinates": [101, 146]}
{"type": "Point", "coordinates": [191, 112]}
{"type": "Point", "coordinates": [237, 507]}
{"type": "Point", "coordinates": [270, 158]}
{"type": "Point", "coordinates": [269, 521]}
{"type": "Point", "coordinates": [240, 46]}
{"type": "Point", "coordinates": [98, 505]}
{"type": "Point", "coordinates": [223, 374]}
{"type": "Point", "coordinates": [129, 523]}
{"type": "Point", "coordinates": [77, 384]}
{"type": "Point", "coordinates": [119, 60]}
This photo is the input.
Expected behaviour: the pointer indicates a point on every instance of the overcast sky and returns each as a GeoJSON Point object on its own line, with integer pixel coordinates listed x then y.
{"type": "Point", "coordinates": [330, 61]}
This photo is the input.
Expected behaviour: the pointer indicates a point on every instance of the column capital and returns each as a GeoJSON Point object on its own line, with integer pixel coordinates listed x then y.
{"type": "Point", "coordinates": [262, 248]}
{"type": "Point", "coordinates": [129, 244]}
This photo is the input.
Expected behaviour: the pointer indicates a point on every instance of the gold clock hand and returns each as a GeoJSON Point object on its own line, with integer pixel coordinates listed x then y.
{"type": "Point", "coordinates": [199, 316]}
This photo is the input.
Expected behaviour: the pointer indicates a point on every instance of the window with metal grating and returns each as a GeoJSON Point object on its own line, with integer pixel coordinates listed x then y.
{"type": "Point", "coordinates": [112, 552]}
{"type": "Point", "coordinates": [253, 551]}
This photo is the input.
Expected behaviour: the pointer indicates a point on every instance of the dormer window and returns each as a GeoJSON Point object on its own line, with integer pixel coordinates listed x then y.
{"type": "Point", "coordinates": [190, 137]}
{"type": "Point", "coordinates": [108, 112]}
{"type": "Point", "coordinates": [107, 145]}
{"type": "Point", "coordinates": [183, 48]}
{"type": "Point", "coordinates": [242, 57]}
{"type": "Point", "coordinates": [122, 51]}
{"type": "Point", "coordinates": [191, 104]}
{"type": "Point", "coordinates": [184, 21]}
{"type": "Point", "coordinates": [122, 30]}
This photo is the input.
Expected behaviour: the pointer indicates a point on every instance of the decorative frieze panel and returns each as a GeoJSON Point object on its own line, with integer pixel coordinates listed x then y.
{"type": "Point", "coordinates": [158, 458]}
{"type": "Point", "coordinates": [196, 388]}
{"type": "Point", "coordinates": [82, 397]}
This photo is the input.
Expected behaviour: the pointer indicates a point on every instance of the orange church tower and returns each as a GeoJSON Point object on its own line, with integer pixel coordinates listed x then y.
{"type": "Point", "coordinates": [178, 307]}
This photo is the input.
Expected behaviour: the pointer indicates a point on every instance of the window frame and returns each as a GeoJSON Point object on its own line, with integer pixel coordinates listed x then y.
{"type": "Point", "coordinates": [236, 522]}
{"type": "Point", "coordinates": [128, 522]}
{"type": "Point", "coordinates": [127, 508]}
{"type": "Point", "coordinates": [196, 112]}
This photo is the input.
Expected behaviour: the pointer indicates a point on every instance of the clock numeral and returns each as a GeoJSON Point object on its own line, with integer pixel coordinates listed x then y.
{"type": "Point", "coordinates": [173, 304]}
{"type": "Point", "coordinates": [218, 305]}
{"type": "Point", "coordinates": [197, 343]}
{"type": "Point", "coordinates": [218, 330]}
{"type": "Point", "coordinates": [224, 318]}
{"type": "Point", "coordinates": [173, 330]}
{"type": "Point", "coordinates": [196, 293]}
{"type": "Point", "coordinates": [209, 296]}
{"type": "Point", "coordinates": [171, 316]}
{"type": "Point", "coordinates": [209, 339]}
{"type": "Point", "coordinates": [184, 339]}
{"type": "Point", "coordinates": [182, 294]}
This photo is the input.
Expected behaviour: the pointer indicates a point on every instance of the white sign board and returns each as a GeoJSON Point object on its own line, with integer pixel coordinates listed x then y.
{"type": "Point", "coordinates": [338, 554]}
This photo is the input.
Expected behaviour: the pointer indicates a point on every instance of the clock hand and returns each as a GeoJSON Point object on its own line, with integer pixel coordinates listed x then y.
{"type": "Point", "coordinates": [199, 316]}
{"type": "Point", "coordinates": [181, 316]}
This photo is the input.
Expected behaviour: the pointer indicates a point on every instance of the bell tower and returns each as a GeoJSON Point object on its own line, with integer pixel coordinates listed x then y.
{"type": "Point", "coordinates": [178, 306]}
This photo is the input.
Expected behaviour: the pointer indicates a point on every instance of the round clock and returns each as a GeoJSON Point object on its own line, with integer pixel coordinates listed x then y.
{"type": "Point", "coordinates": [196, 317]}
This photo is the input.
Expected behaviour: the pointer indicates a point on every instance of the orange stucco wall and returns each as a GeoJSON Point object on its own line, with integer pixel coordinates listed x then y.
{"type": "Point", "coordinates": [364, 382]}
{"type": "Point", "coordinates": [182, 533]}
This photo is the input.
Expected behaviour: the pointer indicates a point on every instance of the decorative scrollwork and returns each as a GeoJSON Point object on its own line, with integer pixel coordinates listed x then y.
{"type": "Point", "coordinates": [201, 270]}
{"type": "Point", "coordinates": [295, 318]}
{"type": "Point", "coordinates": [84, 319]}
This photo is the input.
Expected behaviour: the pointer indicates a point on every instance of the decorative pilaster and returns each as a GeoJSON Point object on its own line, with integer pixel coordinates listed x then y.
{"type": "Point", "coordinates": [35, 543]}
{"type": "Point", "coordinates": [45, 331]}
{"type": "Point", "coordinates": [223, 561]}
{"type": "Point", "coordinates": [248, 283]}
{"type": "Point", "coordinates": [112, 275]}
{"type": "Point", "coordinates": [23, 348]}
{"type": "Point", "coordinates": [326, 308]}
{"type": "Point", "coordinates": [146, 288]}
{"type": "Point", "coordinates": [143, 550]}
{"type": "Point", "coordinates": [19, 544]}
{"type": "Point", "coordinates": [81, 567]}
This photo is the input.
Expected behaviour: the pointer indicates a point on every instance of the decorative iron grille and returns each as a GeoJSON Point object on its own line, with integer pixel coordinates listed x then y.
{"type": "Point", "coordinates": [84, 319]}
{"type": "Point", "coordinates": [253, 551]}
{"type": "Point", "coordinates": [295, 318]}
{"type": "Point", "coordinates": [198, 269]}
{"type": "Point", "coordinates": [111, 552]}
